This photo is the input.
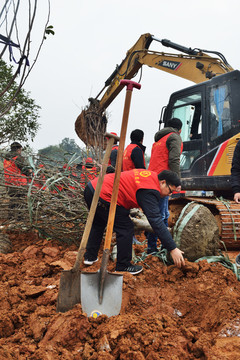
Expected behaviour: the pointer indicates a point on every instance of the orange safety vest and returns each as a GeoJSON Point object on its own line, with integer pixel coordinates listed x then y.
{"type": "Point", "coordinates": [87, 175]}
{"type": "Point", "coordinates": [128, 164]}
{"type": "Point", "coordinates": [12, 173]}
{"type": "Point", "coordinates": [130, 182]}
{"type": "Point", "coordinates": [160, 155]}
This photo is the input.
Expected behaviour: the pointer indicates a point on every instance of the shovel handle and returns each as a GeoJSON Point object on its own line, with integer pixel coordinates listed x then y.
{"type": "Point", "coordinates": [112, 211]}
{"type": "Point", "coordinates": [111, 217]}
{"type": "Point", "coordinates": [94, 203]}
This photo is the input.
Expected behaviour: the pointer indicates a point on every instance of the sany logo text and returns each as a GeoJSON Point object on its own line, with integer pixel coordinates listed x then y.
{"type": "Point", "coordinates": [173, 65]}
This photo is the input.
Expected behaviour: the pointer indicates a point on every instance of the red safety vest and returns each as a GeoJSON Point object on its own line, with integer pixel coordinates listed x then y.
{"type": "Point", "coordinates": [130, 182]}
{"type": "Point", "coordinates": [12, 173]}
{"type": "Point", "coordinates": [113, 148]}
{"type": "Point", "coordinates": [160, 155]}
{"type": "Point", "coordinates": [87, 175]}
{"type": "Point", "coordinates": [128, 164]}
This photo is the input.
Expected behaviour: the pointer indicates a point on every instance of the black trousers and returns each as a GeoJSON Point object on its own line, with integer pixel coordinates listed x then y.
{"type": "Point", "coordinates": [123, 227]}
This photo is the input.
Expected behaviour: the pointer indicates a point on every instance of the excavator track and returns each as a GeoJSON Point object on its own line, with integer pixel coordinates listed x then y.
{"type": "Point", "coordinates": [227, 214]}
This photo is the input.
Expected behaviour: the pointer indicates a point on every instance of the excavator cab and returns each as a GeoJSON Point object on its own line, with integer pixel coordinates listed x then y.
{"type": "Point", "coordinates": [210, 113]}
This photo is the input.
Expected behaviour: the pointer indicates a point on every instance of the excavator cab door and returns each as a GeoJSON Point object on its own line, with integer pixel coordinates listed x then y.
{"type": "Point", "coordinates": [210, 113]}
{"type": "Point", "coordinates": [188, 106]}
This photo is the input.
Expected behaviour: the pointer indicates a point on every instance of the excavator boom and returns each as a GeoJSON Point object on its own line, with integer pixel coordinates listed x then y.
{"type": "Point", "coordinates": [192, 64]}
{"type": "Point", "coordinates": [209, 111]}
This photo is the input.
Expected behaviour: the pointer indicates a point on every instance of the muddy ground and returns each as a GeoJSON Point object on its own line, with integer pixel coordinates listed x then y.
{"type": "Point", "coordinates": [166, 313]}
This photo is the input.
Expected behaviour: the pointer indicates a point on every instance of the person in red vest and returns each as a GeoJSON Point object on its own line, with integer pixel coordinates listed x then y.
{"type": "Point", "coordinates": [137, 188]}
{"type": "Point", "coordinates": [165, 155]}
{"type": "Point", "coordinates": [133, 156]}
{"type": "Point", "coordinates": [16, 173]}
{"type": "Point", "coordinates": [89, 171]}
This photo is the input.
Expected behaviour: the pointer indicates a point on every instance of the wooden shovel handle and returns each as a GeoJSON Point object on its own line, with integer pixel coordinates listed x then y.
{"type": "Point", "coordinates": [94, 203]}
{"type": "Point", "coordinates": [112, 211]}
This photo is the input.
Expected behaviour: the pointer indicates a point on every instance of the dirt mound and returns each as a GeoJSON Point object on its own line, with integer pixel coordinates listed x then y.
{"type": "Point", "coordinates": [166, 313]}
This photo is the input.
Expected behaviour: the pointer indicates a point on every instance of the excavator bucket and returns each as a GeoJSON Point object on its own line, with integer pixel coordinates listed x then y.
{"type": "Point", "coordinates": [91, 124]}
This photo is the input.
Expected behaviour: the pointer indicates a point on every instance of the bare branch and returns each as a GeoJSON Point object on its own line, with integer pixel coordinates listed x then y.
{"type": "Point", "coordinates": [10, 14]}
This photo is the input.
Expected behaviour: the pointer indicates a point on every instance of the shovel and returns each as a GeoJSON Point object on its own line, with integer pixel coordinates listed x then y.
{"type": "Point", "coordinates": [101, 292]}
{"type": "Point", "coordinates": [69, 290]}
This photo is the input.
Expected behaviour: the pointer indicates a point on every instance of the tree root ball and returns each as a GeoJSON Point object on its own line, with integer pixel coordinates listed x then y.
{"type": "Point", "coordinates": [196, 232]}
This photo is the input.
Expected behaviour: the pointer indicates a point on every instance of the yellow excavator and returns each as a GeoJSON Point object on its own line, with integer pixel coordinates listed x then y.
{"type": "Point", "coordinates": [210, 113]}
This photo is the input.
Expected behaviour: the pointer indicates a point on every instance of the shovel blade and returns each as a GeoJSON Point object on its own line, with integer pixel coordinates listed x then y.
{"type": "Point", "coordinates": [69, 290]}
{"type": "Point", "coordinates": [112, 294]}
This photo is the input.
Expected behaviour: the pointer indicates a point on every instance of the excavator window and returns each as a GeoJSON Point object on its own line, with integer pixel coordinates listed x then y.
{"type": "Point", "coordinates": [188, 110]}
{"type": "Point", "coordinates": [220, 112]}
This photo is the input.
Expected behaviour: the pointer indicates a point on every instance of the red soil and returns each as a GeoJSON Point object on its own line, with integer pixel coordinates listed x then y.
{"type": "Point", "coordinates": [166, 313]}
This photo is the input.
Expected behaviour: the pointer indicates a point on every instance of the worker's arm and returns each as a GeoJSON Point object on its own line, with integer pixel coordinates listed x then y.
{"type": "Point", "coordinates": [174, 147]}
{"type": "Point", "coordinates": [137, 157]}
{"type": "Point", "coordinates": [148, 200]}
{"type": "Point", "coordinates": [23, 166]}
{"type": "Point", "coordinates": [235, 173]}
{"type": "Point", "coordinates": [113, 157]}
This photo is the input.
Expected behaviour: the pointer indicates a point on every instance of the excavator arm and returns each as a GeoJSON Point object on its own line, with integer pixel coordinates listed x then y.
{"type": "Point", "coordinates": [191, 64]}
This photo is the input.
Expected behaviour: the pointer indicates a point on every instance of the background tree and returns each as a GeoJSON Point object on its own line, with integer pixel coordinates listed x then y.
{"type": "Point", "coordinates": [66, 151]}
{"type": "Point", "coordinates": [21, 121]}
{"type": "Point", "coordinates": [22, 33]}
{"type": "Point", "coordinates": [70, 146]}
{"type": "Point", "coordinates": [17, 36]}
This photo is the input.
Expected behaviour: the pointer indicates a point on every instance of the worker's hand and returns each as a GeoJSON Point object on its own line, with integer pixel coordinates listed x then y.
{"type": "Point", "coordinates": [177, 257]}
{"type": "Point", "coordinates": [237, 198]}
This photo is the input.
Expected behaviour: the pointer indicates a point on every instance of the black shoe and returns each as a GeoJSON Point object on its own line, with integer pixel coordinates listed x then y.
{"type": "Point", "coordinates": [132, 269]}
{"type": "Point", "coordinates": [152, 250]}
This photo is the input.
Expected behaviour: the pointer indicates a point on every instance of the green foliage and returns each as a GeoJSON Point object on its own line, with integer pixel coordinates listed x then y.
{"type": "Point", "coordinates": [49, 30]}
{"type": "Point", "coordinates": [62, 153]}
{"type": "Point", "coordinates": [20, 121]}
{"type": "Point", "coordinates": [70, 146]}
{"type": "Point", "coordinates": [52, 152]}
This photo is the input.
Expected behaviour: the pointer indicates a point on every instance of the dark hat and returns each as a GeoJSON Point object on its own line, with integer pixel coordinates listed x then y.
{"type": "Point", "coordinates": [15, 145]}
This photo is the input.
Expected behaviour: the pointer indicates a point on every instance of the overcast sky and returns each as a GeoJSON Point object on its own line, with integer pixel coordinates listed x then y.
{"type": "Point", "coordinates": [93, 36]}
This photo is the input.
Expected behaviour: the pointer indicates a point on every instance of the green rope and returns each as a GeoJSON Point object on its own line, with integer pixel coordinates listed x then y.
{"type": "Point", "coordinates": [181, 215]}
{"type": "Point", "coordinates": [164, 257]}
{"type": "Point", "coordinates": [162, 254]}
{"type": "Point", "coordinates": [223, 260]}
{"type": "Point", "coordinates": [177, 231]}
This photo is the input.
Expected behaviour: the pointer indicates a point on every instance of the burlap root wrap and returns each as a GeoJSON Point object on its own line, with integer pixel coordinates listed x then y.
{"type": "Point", "coordinates": [196, 232]}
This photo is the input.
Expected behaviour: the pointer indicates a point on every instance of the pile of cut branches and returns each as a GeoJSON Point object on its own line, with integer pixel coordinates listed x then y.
{"type": "Point", "coordinates": [52, 202]}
